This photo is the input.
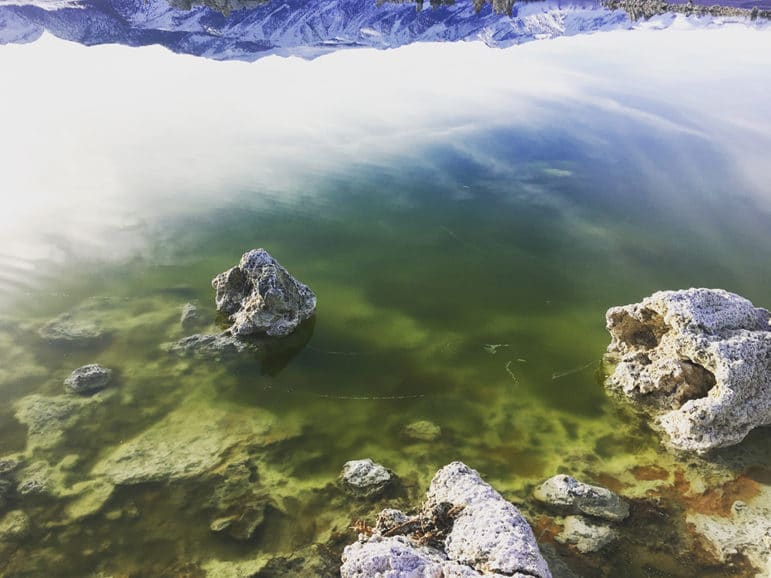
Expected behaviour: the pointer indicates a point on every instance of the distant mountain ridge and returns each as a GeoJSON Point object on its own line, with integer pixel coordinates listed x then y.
{"type": "Point", "coordinates": [305, 28]}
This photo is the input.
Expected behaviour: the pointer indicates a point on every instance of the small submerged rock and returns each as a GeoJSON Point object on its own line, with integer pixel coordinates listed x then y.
{"type": "Point", "coordinates": [698, 361]}
{"type": "Point", "coordinates": [365, 478]}
{"type": "Point", "coordinates": [88, 379]}
{"type": "Point", "coordinates": [261, 297]}
{"type": "Point", "coordinates": [66, 330]}
{"type": "Point", "coordinates": [14, 526]}
{"type": "Point", "coordinates": [567, 493]}
{"type": "Point", "coordinates": [190, 317]}
{"type": "Point", "coordinates": [423, 430]}
{"type": "Point", "coordinates": [465, 528]}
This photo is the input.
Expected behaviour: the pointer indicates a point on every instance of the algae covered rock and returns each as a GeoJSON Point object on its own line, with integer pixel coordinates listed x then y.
{"type": "Point", "coordinates": [14, 525]}
{"type": "Point", "coordinates": [68, 330]}
{"type": "Point", "coordinates": [190, 317]}
{"type": "Point", "coordinates": [567, 493]}
{"type": "Point", "coordinates": [471, 529]}
{"type": "Point", "coordinates": [209, 346]}
{"type": "Point", "coordinates": [88, 379]}
{"type": "Point", "coordinates": [423, 430]}
{"type": "Point", "coordinates": [190, 441]}
{"type": "Point", "coordinates": [698, 360]}
{"type": "Point", "coordinates": [261, 297]}
{"type": "Point", "coordinates": [365, 478]}
{"type": "Point", "coordinates": [48, 418]}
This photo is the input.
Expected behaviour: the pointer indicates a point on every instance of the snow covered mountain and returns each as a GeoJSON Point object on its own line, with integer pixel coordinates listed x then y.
{"type": "Point", "coordinates": [305, 28]}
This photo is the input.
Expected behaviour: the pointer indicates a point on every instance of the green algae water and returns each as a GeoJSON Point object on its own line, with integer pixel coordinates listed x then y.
{"type": "Point", "coordinates": [462, 281]}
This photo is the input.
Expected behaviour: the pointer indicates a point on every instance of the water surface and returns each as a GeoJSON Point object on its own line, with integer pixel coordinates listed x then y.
{"type": "Point", "coordinates": [433, 218]}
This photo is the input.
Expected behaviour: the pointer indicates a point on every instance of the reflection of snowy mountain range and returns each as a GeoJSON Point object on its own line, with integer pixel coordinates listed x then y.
{"type": "Point", "coordinates": [304, 28]}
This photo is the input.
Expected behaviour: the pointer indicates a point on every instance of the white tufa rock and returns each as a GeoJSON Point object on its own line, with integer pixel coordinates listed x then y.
{"type": "Point", "coordinates": [365, 478]}
{"type": "Point", "coordinates": [486, 536]}
{"type": "Point", "coordinates": [261, 297]}
{"type": "Point", "coordinates": [699, 360]}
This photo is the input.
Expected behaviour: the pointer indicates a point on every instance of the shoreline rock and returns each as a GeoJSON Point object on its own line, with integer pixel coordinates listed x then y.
{"type": "Point", "coordinates": [261, 297]}
{"type": "Point", "coordinates": [465, 528]}
{"type": "Point", "coordinates": [698, 361]}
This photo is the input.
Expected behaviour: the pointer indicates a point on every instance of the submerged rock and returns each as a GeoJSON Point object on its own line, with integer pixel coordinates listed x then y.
{"type": "Point", "coordinates": [66, 330]}
{"type": "Point", "coordinates": [567, 493]}
{"type": "Point", "coordinates": [423, 430]}
{"type": "Point", "coordinates": [587, 535]}
{"type": "Point", "coordinates": [472, 530]}
{"type": "Point", "coordinates": [212, 346]}
{"type": "Point", "coordinates": [189, 442]}
{"type": "Point", "coordinates": [261, 297]}
{"type": "Point", "coordinates": [48, 417]}
{"type": "Point", "coordinates": [6, 486]}
{"type": "Point", "coordinates": [14, 525]}
{"type": "Point", "coordinates": [88, 379]}
{"type": "Point", "coordinates": [190, 318]}
{"type": "Point", "coordinates": [365, 478]}
{"type": "Point", "coordinates": [698, 360]}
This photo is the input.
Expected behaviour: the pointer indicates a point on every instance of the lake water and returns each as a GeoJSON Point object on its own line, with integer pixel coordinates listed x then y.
{"type": "Point", "coordinates": [465, 217]}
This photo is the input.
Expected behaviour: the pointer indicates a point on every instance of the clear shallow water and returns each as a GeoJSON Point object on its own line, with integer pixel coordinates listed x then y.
{"type": "Point", "coordinates": [517, 228]}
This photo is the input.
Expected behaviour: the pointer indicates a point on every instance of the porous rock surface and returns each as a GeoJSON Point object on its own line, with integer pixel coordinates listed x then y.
{"type": "Point", "coordinates": [88, 379]}
{"type": "Point", "coordinates": [365, 478]}
{"type": "Point", "coordinates": [484, 536]}
{"type": "Point", "coordinates": [565, 492]}
{"type": "Point", "coordinates": [699, 360]}
{"type": "Point", "coordinates": [261, 297]}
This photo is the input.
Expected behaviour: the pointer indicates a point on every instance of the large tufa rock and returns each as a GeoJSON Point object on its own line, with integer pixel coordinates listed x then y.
{"type": "Point", "coordinates": [261, 297]}
{"type": "Point", "coordinates": [567, 493]}
{"type": "Point", "coordinates": [471, 529]}
{"type": "Point", "coordinates": [699, 360]}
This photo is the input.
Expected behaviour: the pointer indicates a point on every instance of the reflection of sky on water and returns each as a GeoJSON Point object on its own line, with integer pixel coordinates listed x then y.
{"type": "Point", "coordinates": [100, 144]}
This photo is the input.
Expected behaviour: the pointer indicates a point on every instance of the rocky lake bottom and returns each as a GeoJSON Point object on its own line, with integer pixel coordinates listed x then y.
{"type": "Point", "coordinates": [462, 286]}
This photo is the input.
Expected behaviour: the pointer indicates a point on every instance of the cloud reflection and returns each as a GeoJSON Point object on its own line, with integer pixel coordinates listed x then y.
{"type": "Point", "coordinates": [100, 143]}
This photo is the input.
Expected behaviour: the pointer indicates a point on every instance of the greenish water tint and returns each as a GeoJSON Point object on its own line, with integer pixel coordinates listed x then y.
{"type": "Point", "coordinates": [515, 238]}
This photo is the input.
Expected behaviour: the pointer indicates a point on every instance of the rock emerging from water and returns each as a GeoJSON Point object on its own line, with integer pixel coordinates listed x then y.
{"type": "Point", "coordinates": [465, 528]}
{"type": "Point", "coordinates": [261, 297]}
{"type": "Point", "coordinates": [88, 379]}
{"type": "Point", "coordinates": [568, 494]}
{"type": "Point", "coordinates": [365, 478]}
{"type": "Point", "coordinates": [699, 360]}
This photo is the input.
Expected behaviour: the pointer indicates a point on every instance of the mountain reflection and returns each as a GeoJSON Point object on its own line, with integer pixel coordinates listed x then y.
{"type": "Point", "coordinates": [250, 29]}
